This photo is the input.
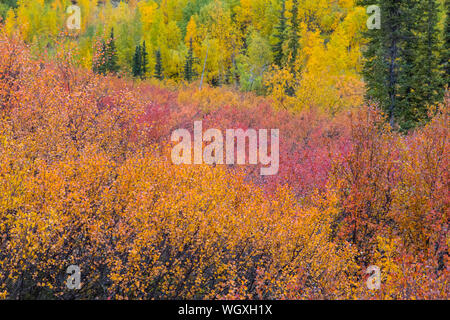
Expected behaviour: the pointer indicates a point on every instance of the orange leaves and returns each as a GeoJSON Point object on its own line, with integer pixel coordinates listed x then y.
{"type": "Point", "coordinates": [199, 232]}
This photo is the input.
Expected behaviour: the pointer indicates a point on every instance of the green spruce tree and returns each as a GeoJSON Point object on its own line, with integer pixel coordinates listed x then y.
{"type": "Point", "coordinates": [446, 44]}
{"type": "Point", "coordinates": [144, 61]}
{"type": "Point", "coordinates": [137, 61]}
{"type": "Point", "coordinates": [381, 71]}
{"type": "Point", "coordinates": [403, 60]}
{"type": "Point", "coordinates": [158, 66]}
{"type": "Point", "coordinates": [293, 35]}
{"type": "Point", "coordinates": [188, 66]}
{"type": "Point", "coordinates": [280, 34]}
{"type": "Point", "coordinates": [293, 44]}
{"type": "Point", "coordinates": [408, 56]}
{"type": "Point", "coordinates": [422, 83]}
{"type": "Point", "coordinates": [111, 54]}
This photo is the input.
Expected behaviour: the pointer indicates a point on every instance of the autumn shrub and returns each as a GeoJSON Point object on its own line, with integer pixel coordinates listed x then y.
{"type": "Point", "coordinates": [12, 68]}
{"type": "Point", "coordinates": [194, 233]}
{"type": "Point", "coordinates": [85, 179]}
{"type": "Point", "coordinates": [394, 204]}
{"type": "Point", "coordinates": [82, 183]}
{"type": "Point", "coordinates": [409, 274]}
{"type": "Point", "coordinates": [421, 199]}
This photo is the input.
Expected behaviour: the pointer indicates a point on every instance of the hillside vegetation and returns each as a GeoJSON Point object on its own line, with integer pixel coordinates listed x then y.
{"type": "Point", "coordinates": [87, 179]}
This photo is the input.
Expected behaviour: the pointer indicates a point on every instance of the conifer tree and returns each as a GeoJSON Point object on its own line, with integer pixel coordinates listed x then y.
{"type": "Point", "coordinates": [293, 41]}
{"type": "Point", "coordinates": [390, 57]}
{"type": "Point", "coordinates": [140, 61]}
{"type": "Point", "coordinates": [408, 54]}
{"type": "Point", "coordinates": [381, 69]}
{"type": "Point", "coordinates": [293, 34]}
{"type": "Point", "coordinates": [158, 66]}
{"type": "Point", "coordinates": [144, 61]}
{"type": "Point", "coordinates": [281, 36]}
{"type": "Point", "coordinates": [111, 54]}
{"type": "Point", "coordinates": [422, 83]}
{"type": "Point", "coordinates": [403, 67]}
{"type": "Point", "coordinates": [188, 70]}
{"type": "Point", "coordinates": [137, 60]}
{"type": "Point", "coordinates": [446, 45]}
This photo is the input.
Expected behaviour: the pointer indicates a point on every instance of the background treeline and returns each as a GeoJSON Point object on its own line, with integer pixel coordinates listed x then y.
{"type": "Point", "coordinates": [303, 53]}
{"type": "Point", "coordinates": [255, 45]}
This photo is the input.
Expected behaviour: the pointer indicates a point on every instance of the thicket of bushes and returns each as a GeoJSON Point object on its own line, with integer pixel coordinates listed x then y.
{"type": "Point", "coordinates": [85, 179]}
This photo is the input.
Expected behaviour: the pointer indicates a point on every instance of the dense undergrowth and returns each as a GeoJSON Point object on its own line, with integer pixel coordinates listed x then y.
{"type": "Point", "coordinates": [86, 179]}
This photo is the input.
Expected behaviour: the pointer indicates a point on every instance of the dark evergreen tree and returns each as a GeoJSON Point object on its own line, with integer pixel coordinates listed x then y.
{"type": "Point", "coordinates": [422, 82]}
{"type": "Point", "coordinates": [144, 61]}
{"type": "Point", "coordinates": [293, 44]}
{"type": "Point", "coordinates": [446, 45]}
{"type": "Point", "coordinates": [381, 70]}
{"type": "Point", "coordinates": [403, 63]}
{"type": "Point", "coordinates": [140, 61]}
{"type": "Point", "coordinates": [158, 66]}
{"type": "Point", "coordinates": [188, 66]}
{"type": "Point", "coordinates": [293, 35]}
{"type": "Point", "coordinates": [137, 61]}
{"type": "Point", "coordinates": [281, 28]}
{"type": "Point", "coordinates": [407, 53]}
{"type": "Point", "coordinates": [111, 54]}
